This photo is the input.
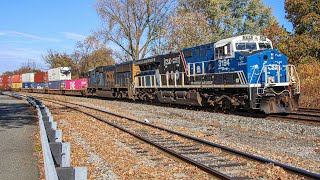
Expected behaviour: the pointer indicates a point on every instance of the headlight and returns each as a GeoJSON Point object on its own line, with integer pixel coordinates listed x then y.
{"type": "Point", "coordinates": [271, 79]}
{"type": "Point", "coordinates": [293, 79]}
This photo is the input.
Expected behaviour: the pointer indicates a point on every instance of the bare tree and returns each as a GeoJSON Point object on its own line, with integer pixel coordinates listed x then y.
{"type": "Point", "coordinates": [91, 53]}
{"type": "Point", "coordinates": [186, 29]}
{"type": "Point", "coordinates": [133, 24]}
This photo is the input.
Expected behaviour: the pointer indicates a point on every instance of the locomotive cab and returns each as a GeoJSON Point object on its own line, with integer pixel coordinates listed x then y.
{"type": "Point", "coordinates": [274, 85]}
{"type": "Point", "coordinates": [226, 48]}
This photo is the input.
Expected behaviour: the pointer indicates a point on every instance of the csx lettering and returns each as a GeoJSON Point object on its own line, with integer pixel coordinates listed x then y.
{"type": "Point", "coordinates": [272, 68]}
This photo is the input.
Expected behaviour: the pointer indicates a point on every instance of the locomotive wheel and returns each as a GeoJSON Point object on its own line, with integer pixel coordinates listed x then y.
{"type": "Point", "coordinates": [227, 106]}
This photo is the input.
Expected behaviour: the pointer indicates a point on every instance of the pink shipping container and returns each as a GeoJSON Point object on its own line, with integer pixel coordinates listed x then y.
{"type": "Point", "coordinates": [76, 84]}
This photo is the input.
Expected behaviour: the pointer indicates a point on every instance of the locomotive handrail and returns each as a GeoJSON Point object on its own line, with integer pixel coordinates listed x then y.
{"type": "Point", "coordinates": [253, 73]}
{"type": "Point", "coordinates": [155, 81]}
{"type": "Point", "coordinates": [291, 70]}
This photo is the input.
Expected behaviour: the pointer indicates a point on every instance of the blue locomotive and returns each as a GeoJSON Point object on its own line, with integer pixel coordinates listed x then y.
{"type": "Point", "coordinates": [242, 72]}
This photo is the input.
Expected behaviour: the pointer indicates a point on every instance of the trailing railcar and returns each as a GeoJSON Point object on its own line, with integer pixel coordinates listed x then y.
{"type": "Point", "coordinates": [113, 81]}
{"type": "Point", "coordinates": [239, 72]}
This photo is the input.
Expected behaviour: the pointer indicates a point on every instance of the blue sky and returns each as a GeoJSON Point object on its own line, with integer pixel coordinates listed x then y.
{"type": "Point", "coordinates": [29, 28]}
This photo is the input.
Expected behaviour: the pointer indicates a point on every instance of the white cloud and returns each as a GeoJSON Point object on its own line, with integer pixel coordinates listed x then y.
{"type": "Point", "coordinates": [30, 36]}
{"type": "Point", "coordinates": [73, 36]}
{"type": "Point", "coordinates": [7, 52]}
{"type": "Point", "coordinates": [11, 58]}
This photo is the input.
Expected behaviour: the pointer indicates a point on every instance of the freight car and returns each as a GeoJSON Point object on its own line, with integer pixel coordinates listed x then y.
{"type": "Point", "coordinates": [113, 81]}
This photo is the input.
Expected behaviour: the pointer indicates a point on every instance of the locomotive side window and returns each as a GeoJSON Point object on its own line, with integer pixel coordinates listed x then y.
{"type": "Point", "coordinates": [188, 53]}
{"type": "Point", "coordinates": [221, 52]}
{"type": "Point", "coordinates": [227, 50]}
{"type": "Point", "coordinates": [198, 52]}
{"type": "Point", "coordinates": [204, 52]}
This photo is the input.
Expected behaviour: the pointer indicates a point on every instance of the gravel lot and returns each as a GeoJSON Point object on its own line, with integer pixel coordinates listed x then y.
{"type": "Point", "coordinates": [293, 143]}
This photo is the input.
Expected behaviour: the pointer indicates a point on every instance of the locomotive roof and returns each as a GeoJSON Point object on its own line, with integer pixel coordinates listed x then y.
{"type": "Point", "coordinates": [240, 38]}
{"type": "Point", "coordinates": [147, 60]}
{"type": "Point", "coordinates": [153, 59]}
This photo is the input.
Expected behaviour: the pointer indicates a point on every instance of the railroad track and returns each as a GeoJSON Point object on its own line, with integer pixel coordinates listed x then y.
{"type": "Point", "coordinates": [215, 159]}
{"type": "Point", "coordinates": [312, 110]}
{"type": "Point", "coordinates": [300, 115]}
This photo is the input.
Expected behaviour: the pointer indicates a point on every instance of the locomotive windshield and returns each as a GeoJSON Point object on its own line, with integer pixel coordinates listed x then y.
{"type": "Point", "coordinates": [246, 46]}
{"type": "Point", "coordinates": [265, 46]}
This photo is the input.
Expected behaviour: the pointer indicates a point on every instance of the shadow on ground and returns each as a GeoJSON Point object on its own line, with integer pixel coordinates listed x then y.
{"type": "Point", "coordinates": [15, 113]}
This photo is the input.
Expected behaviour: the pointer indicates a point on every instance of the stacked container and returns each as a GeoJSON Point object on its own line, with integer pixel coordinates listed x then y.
{"type": "Point", "coordinates": [59, 74]}
{"type": "Point", "coordinates": [27, 80]}
{"type": "Point", "coordinates": [57, 77]}
{"type": "Point", "coordinates": [5, 82]}
{"type": "Point", "coordinates": [76, 84]}
{"type": "Point", "coordinates": [16, 81]}
{"type": "Point", "coordinates": [56, 85]}
{"type": "Point", "coordinates": [40, 80]}
{"type": "Point", "coordinates": [1, 83]}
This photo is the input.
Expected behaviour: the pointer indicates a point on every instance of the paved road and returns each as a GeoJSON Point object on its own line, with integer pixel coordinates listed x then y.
{"type": "Point", "coordinates": [17, 125]}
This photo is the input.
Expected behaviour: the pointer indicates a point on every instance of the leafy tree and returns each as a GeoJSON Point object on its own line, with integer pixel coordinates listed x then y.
{"type": "Point", "coordinates": [55, 59]}
{"type": "Point", "coordinates": [279, 37]}
{"type": "Point", "coordinates": [133, 24]}
{"type": "Point", "coordinates": [305, 16]}
{"type": "Point", "coordinates": [232, 17]}
{"type": "Point", "coordinates": [257, 17]}
{"type": "Point", "coordinates": [186, 29]}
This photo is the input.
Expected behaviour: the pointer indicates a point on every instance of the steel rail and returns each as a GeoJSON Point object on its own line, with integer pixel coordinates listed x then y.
{"type": "Point", "coordinates": [309, 109]}
{"type": "Point", "coordinates": [299, 118]}
{"type": "Point", "coordinates": [303, 114]}
{"type": "Point", "coordinates": [186, 159]}
{"type": "Point", "coordinates": [244, 154]}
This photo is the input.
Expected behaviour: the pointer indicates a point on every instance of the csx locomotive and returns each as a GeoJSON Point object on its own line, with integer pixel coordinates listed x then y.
{"type": "Point", "coordinates": [242, 72]}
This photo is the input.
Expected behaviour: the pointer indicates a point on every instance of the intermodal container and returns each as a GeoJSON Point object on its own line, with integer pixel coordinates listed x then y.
{"type": "Point", "coordinates": [16, 85]}
{"type": "Point", "coordinates": [41, 77]}
{"type": "Point", "coordinates": [56, 85]}
{"type": "Point", "coordinates": [76, 84]}
{"type": "Point", "coordinates": [59, 74]}
{"type": "Point", "coordinates": [27, 85]}
{"type": "Point", "coordinates": [17, 78]}
{"type": "Point", "coordinates": [5, 82]}
{"type": "Point", "coordinates": [28, 77]}
{"type": "Point", "coordinates": [1, 82]}
{"type": "Point", "coordinates": [40, 85]}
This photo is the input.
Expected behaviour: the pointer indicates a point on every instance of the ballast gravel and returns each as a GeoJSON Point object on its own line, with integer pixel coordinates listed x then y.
{"type": "Point", "coordinates": [293, 143]}
{"type": "Point", "coordinates": [109, 153]}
